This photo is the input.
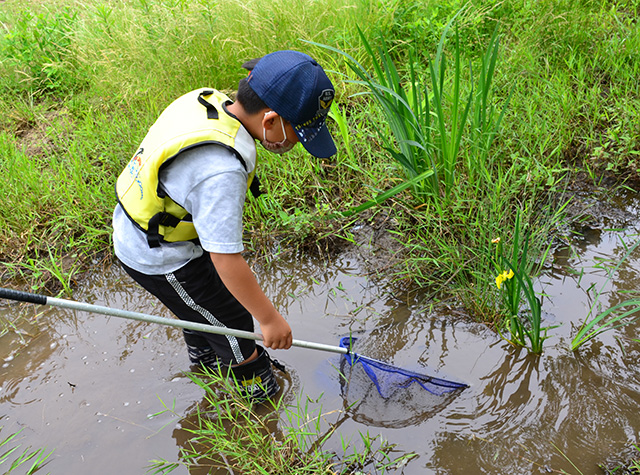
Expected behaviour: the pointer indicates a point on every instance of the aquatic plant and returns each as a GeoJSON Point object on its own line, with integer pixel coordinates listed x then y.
{"type": "Point", "coordinates": [523, 318]}
{"type": "Point", "coordinates": [13, 456]}
{"type": "Point", "coordinates": [611, 318]}
{"type": "Point", "coordinates": [231, 433]}
{"type": "Point", "coordinates": [628, 463]}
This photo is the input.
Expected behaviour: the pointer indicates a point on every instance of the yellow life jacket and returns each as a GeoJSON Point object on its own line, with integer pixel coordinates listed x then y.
{"type": "Point", "coordinates": [196, 118]}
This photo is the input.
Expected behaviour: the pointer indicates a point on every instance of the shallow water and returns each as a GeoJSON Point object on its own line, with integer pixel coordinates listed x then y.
{"type": "Point", "coordinates": [88, 385]}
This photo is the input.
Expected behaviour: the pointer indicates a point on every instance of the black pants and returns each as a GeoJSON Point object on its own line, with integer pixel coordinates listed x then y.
{"type": "Point", "coordinates": [196, 293]}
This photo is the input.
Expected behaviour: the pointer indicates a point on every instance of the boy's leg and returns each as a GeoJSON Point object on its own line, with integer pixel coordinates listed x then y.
{"type": "Point", "coordinates": [199, 350]}
{"type": "Point", "coordinates": [196, 293]}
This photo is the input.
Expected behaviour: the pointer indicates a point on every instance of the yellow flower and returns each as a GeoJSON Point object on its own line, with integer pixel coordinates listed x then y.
{"type": "Point", "coordinates": [495, 241]}
{"type": "Point", "coordinates": [506, 275]}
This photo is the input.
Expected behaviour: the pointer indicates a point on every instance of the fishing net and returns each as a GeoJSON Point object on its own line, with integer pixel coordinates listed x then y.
{"type": "Point", "coordinates": [389, 379]}
{"type": "Point", "coordinates": [362, 402]}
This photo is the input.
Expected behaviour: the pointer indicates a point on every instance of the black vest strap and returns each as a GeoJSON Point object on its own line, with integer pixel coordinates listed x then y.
{"type": "Point", "coordinates": [212, 112]}
{"type": "Point", "coordinates": [153, 232]}
{"type": "Point", "coordinates": [255, 187]}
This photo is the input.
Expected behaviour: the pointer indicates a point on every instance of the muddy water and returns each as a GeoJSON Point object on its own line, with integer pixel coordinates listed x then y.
{"type": "Point", "coordinates": [93, 387]}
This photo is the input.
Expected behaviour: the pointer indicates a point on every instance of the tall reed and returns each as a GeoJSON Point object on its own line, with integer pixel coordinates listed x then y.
{"type": "Point", "coordinates": [430, 116]}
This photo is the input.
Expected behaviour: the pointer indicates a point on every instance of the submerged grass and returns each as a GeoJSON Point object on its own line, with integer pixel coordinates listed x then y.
{"type": "Point", "coordinates": [618, 315]}
{"type": "Point", "coordinates": [27, 460]}
{"type": "Point", "coordinates": [228, 432]}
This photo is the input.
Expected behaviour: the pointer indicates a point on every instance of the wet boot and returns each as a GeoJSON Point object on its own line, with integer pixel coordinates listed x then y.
{"type": "Point", "coordinates": [256, 379]}
{"type": "Point", "coordinates": [199, 351]}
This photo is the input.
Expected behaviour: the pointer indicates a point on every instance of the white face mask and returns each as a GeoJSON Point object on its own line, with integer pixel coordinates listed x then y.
{"type": "Point", "coordinates": [276, 147]}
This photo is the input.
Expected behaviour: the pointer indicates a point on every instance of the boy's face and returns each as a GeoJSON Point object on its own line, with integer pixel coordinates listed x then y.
{"type": "Point", "coordinates": [278, 134]}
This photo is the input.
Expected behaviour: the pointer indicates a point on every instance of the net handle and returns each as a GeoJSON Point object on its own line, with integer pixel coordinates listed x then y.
{"type": "Point", "coordinates": [28, 297]}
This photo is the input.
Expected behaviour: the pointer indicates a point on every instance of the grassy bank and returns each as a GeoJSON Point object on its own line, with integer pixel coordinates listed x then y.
{"type": "Point", "coordinates": [82, 82]}
{"type": "Point", "coordinates": [509, 101]}
{"type": "Point", "coordinates": [81, 85]}
{"type": "Point", "coordinates": [527, 96]}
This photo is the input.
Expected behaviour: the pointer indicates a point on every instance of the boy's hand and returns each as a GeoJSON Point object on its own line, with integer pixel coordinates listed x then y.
{"type": "Point", "coordinates": [277, 334]}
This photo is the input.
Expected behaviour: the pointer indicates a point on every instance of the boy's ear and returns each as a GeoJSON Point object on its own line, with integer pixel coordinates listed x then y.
{"type": "Point", "coordinates": [269, 119]}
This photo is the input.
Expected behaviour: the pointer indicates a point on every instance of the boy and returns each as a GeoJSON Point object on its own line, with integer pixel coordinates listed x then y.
{"type": "Point", "coordinates": [178, 222]}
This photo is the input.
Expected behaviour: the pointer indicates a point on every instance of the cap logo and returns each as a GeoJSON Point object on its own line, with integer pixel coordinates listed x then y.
{"type": "Point", "coordinates": [325, 99]}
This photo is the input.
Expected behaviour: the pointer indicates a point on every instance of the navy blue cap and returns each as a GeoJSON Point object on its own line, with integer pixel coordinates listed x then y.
{"type": "Point", "coordinates": [296, 87]}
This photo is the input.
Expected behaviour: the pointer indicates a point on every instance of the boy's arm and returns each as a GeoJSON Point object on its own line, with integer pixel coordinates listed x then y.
{"type": "Point", "coordinates": [240, 281]}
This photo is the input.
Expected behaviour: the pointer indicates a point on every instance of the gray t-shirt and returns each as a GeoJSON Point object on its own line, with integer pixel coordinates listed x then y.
{"type": "Point", "coordinates": [210, 183]}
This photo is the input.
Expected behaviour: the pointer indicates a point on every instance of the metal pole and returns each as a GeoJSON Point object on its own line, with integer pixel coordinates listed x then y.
{"type": "Point", "coordinates": [143, 317]}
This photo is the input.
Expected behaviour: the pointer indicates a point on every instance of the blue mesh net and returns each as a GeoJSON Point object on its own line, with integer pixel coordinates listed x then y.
{"type": "Point", "coordinates": [389, 379]}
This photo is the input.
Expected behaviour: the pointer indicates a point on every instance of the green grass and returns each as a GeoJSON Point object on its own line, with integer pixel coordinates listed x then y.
{"type": "Point", "coordinates": [505, 118]}
{"type": "Point", "coordinates": [599, 320]}
{"type": "Point", "coordinates": [500, 119]}
{"type": "Point", "coordinates": [82, 85]}
{"type": "Point", "coordinates": [227, 432]}
{"type": "Point", "coordinates": [27, 460]}
{"type": "Point", "coordinates": [82, 88]}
